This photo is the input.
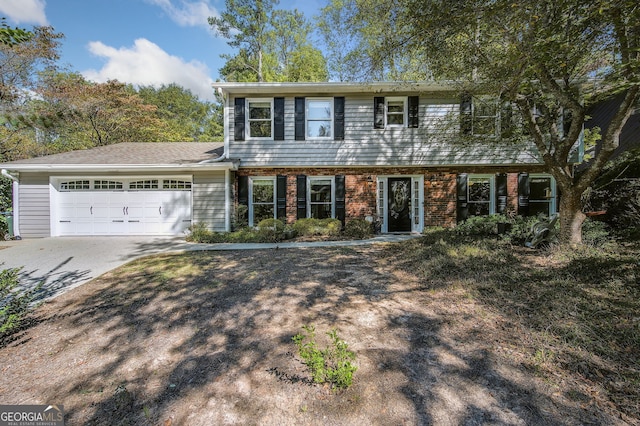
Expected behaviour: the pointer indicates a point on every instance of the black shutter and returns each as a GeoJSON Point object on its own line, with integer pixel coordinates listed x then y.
{"type": "Point", "coordinates": [278, 119]}
{"type": "Point", "coordinates": [299, 119]}
{"type": "Point", "coordinates": [338, 118]}
{"type": "Point", "coordinates": [462, 206]}
{"type": "Point", "coordinates": [243, 199]}
{"type": "Point", "coordinates": [281, 197]}
{"type": "Point", "coordinates": [340, 199]}
{"type": "Point", "coordinates": [414, 111]}
{"type": "Point", "coordinates": [523, 194]}
{"type": "Point", "coordinates": [465, 114]}
{"type": "Point", "coordinates": [301, 197]}
{"type": "Point", "coordinates": [238, 120]}
{"type": "Point", "coordinates": [506, 121]}
{"type": "Point", "coordinates": [378, 112]}
{"type": "Point", "coordinates": [501, 193]}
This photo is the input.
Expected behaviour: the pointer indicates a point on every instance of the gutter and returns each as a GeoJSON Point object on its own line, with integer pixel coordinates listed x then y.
{"type": "Point", "coordinates": [15, 202]}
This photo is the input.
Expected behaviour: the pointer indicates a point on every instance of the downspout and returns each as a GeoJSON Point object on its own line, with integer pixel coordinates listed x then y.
{"type": "Point", "coordinates": [15, 202]}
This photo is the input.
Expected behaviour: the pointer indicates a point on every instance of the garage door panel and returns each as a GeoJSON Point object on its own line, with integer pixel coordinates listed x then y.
{"type": "Point", "coordinates": [122, 212]}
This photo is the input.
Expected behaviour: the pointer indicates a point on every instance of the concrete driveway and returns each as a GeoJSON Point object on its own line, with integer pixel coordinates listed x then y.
{"type": "Point", "coordinates": [64, 263]}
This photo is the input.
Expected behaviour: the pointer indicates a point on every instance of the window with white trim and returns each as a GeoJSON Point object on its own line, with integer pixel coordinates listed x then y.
{"type": "Point", "coordinates": [396, 111]}
{"type": "Point", "coordinates": [485, 116]}
{"type": "Point", "coordinates": [542, 195]}
{"type": "Point", "coordinates": [144, 184]}
{"type": "Point", "coordinates": [319, 118]}
{"type": "Point", "coordinates": [260, 118]}
{"type": "Point", "coordinates": [321, 197]}
{"type": "Point", "coordinates": [107, 184]}
{"type": "Point", "coordinates": [176, 184]}
{"type": "Point", "coordinates": [262, 202]}
{"type": "Point", "coordinates": [75, 185]}
{"type": "Point", "coordinates": [481, 190]}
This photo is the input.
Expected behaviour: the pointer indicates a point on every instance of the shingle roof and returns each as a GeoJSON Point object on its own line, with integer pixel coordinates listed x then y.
{"type": "Point", "coordinates": [132, 153]}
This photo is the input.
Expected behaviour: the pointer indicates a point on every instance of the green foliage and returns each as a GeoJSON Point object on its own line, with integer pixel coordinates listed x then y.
{"type": "Point", "coordinates": [310, 227]}
{"type": "Point", "coordinates": [272, 43]}
{"type": "Point", "coordinates": [270, 230]}
{"type": "Point", "coordinates": [358, 229]}
{"type": "Point", "coordinates": [517, 229]}
{"type": "Point", "coordinates": [12, 36]}
{"type": "Point", "coordinates": [331, 365]}
{"type": "Point", "coordinates": [6, 191]}
{"type": "Point", "coordinates": [14, 304]}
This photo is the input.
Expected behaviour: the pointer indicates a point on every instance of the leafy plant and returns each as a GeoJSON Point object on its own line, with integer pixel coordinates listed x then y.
{"type": "Point", "coordinates": [358, 229]}
{"type": "Point", "coordinates": [14, 304]}
{"type": "Point", "coordinates": [271, 230]}
{"type": "Point", "coordinates": [330, 365]}
{"type": "Point", "coordinates": [317, 227]}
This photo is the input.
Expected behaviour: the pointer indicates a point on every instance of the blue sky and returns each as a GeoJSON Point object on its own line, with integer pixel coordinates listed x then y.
{"type": "Point", "coordinates": [143, 42]}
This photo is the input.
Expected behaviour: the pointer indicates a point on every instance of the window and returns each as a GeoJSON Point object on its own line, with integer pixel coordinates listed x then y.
{"type": "Point", "coordinates": [176, 184]}
{"type": "Point", "coordinates": [74, 185]}
{"type": "Point", "coordinates": [319, 117]}
{"type": "Point", "coordinates": [542, 195]}
{"type": "Point", "coordinates": [260, 118]}
{"type": "Point", "coordinates": [321, 197]}
{"type": "Point", "coordinates": [396, 112]}
{"type": "Point", "coordinates": [107, 184]}
{"type": "Point", "coordinates": [262, 202]}
{"type": "Point", "coordinates": [485, 116]}
{"type": "Point", "coordinates": [144, 184]}
{"type": "Point", "coordinates": [480, 195]}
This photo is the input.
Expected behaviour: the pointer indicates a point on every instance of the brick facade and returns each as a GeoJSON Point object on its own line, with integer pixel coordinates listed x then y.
{"type": "Point", "coordinates": [361, 185]}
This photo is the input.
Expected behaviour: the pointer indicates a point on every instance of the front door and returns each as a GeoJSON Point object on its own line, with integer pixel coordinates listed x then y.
{"type": "Point", "coordinates": [399, 208]}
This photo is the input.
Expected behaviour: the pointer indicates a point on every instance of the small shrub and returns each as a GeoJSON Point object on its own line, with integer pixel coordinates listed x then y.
{"type": "Point", "coordinates": [317, 227]}
{"type": "Point", "coordinates": [270, 230]}
{"type": "Point", "coordinates": [330, 365]}
{"type": "Point", "coordinates": [595, 232]}
{"type": "Point", "coordinates": [198, 233]}
{"type": "Point", "coordinates": [358, 229]}
{"type": "Point", "coordinates": [480, 225]}
{"type": "Point", "coordinates": [14, 305]}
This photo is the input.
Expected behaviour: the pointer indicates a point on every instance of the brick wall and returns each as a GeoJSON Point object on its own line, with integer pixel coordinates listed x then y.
{"type": "Point", "coordinates": [361, 196]}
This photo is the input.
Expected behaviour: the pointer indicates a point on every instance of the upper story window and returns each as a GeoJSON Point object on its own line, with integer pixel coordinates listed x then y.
{"type": "Point", "coordinates": [396, 112]}
{"type": "Point", "coordinates": [479, 115]}
{"type": "Point", "coordinates": [260, 118]}
{"type": "Point", "coordinates": [319, 117]}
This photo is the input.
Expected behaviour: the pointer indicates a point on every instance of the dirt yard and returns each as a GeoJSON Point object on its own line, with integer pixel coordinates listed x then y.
{"type": "Point", "coordinates": [205, 338]}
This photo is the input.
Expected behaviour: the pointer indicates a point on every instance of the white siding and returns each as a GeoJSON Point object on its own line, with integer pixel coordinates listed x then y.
{"type": "Point", "coordinates": [432, 144]}
{"type": "Point", "coordinates": [208, 200]}
{"type": "Point", "coordinates": [34, 206]}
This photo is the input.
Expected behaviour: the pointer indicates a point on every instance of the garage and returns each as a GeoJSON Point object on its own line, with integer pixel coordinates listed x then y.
{"type": "Point", "coordinates": [121, 206]}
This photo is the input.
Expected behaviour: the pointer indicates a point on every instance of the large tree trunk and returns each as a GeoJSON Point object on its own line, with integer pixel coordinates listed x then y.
{"type": "Point", "coordinates": [571, 219]}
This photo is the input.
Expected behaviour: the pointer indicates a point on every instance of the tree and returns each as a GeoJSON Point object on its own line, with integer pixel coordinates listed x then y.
{"type": "Point", "coordinates": [23, 54]}
{"type": "Point", "coordinates": [272, 44]}
{"type": "Point", "coordinates": [190, 118]}
{"type": "Point", "coordinates": [541, 56]}
{"type": "Point", "coordinates": [78, 114]}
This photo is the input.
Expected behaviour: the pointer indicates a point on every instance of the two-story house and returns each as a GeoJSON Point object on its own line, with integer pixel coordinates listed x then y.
{"type": "Point", "coordinates": [408, 155]}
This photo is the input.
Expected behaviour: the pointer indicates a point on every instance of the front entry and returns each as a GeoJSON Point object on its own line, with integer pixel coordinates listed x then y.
{"type": "Point", "coordinates": [399, 204]}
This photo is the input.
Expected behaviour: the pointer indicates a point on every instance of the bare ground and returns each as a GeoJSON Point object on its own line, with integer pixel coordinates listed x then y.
{"type": "Point", "coordinates": [205, 338]}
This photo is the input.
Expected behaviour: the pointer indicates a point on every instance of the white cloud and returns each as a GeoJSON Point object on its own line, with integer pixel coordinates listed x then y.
{"type": "Point", "coordinates": [146, 64]}
{"type": "Point", "coordinates": [24, 11]}
{"type": "Point", "coordinates": [187, 13]}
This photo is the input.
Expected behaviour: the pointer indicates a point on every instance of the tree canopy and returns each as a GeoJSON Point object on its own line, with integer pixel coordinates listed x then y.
{"type": "Point", "coordinates": [273, 44]}
{"type": "Point", "coordinates": [548, 58]}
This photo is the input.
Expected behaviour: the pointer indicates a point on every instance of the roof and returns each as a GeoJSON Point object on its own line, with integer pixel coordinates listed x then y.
{"type": "Point", "coordinates": [336, 87]}
{"type": "Point", "coordinates": [129, 155]}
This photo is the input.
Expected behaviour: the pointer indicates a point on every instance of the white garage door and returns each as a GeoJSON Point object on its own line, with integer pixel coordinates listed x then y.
{"type": "Point", "coordinates": [122, 207]}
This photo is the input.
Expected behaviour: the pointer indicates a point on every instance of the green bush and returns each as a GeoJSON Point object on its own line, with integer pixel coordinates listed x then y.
{"type": "Point", "coordinates": [358, 229]}
{"type": "Point", "coordinates": [595, 232]}
{"type": "Point", "coordinates": [270, 230]}
{"type": "Point", "coordinates": [330, 365]}
{"type": "Point", "coordinates": [480, 225]}
{"type": "Point", "coordinates": [317, 227]}
{"type": "Point", "coordinates": [14, 304]}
